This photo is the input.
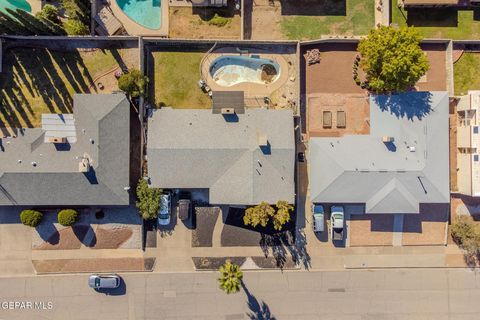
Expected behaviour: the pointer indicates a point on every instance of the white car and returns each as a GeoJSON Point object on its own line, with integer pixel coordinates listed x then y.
{"type": "Point", "coordinates": [164, 212]}
{"type": "Point", "coordinates": [105, 281]}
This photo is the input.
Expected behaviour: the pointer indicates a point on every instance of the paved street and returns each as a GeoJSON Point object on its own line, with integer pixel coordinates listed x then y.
{"type": "Point", "coordinates": [352, 295]}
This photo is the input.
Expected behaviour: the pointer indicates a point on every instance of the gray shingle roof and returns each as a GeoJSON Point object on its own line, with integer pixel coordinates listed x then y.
{"type": "Point", "coordinates": [102, 126]}
{"type": "Point", "coordinates": [198, 149]}
{"type": "Point", "coordinates": [388, 177]}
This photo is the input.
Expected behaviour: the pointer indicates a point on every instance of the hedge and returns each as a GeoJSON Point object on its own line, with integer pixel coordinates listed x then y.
{"type": "Point", "coordinates": [67, 217]}
{"type": "Point", "coordinates": [31, 217]}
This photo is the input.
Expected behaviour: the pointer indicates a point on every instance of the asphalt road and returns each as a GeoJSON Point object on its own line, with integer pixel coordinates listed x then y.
{"type": "Point", "coordinates": [381, 294]}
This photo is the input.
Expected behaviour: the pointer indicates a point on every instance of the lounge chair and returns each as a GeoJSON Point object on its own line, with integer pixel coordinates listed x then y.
{"type": "Point", "coordinates": [327, 119]}
{"type": "Point", "coordinates": [341, 119]}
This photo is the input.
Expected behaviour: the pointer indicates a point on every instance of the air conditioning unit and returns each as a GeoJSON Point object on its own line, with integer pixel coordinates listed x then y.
{"type": "Point", "coordinates": [57, 140]}
{"type": "Point", "coordinates": [227, 111]}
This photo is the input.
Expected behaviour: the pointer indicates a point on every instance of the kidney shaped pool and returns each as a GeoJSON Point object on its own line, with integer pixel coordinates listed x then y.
{"type": "Point", "coordinates": [146, 13]}
{"type": "Point", "coordinates": [229, 70]}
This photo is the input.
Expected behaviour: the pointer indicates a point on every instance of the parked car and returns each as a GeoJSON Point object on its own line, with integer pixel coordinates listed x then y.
{"type": "Point", "coordinates": [104, 281]}
{"type": "Point", "coordinates": [301, 157]}
{"type": "Point", "coordinates": [318, 218]}
{"type": "Point", "coordinates": [184, 206]}
{"type": "Point", "coordinates": [165, 209]}
{"type": "Point", "coordinates": [337, 223]}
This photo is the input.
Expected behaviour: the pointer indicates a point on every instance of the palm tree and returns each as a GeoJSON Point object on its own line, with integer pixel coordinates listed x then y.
{"type": "Point", "coordinates": [230, 277]}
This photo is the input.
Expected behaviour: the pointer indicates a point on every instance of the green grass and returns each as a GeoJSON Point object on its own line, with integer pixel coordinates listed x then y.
{"type": "Point", "coordinates": [219, 21]}
{"type": "Point", "coordinates": [176, 80]}
{"type": "Point", "coordinates": [36, 81]}
{"type": "Point", "coordinates": [359, 19]}
{"type": "Point", "coordinates": [465, 73]}
{"type": "Point", "coordinates": [436, 23]}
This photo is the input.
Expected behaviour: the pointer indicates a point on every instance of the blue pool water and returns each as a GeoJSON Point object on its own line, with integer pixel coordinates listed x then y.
{"type": "Point", "coordinates": [229, 70]}
{"type": "Point", "coordinates": [15, 4]}
{"type": "Point", "coordinates": [146, 13]}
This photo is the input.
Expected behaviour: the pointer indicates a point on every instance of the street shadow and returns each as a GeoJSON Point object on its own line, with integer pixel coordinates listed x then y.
{"type": "Point", "coordinates": [409, 105]}
{"type": "Point", "coordinates": [257, 310]}
{"type": "Point", "coordinates": [120, 291]}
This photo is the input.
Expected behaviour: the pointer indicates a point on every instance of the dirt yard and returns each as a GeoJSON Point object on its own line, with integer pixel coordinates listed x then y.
{"type": "Point", "coordinates": [199, 23]}
{"type": "Point", "coordinates": [436, 77]}
{"type": "Point", "coordinates": [334, 72]}
{"type": "Point", "coordinates": [356, 107]}
{"type": "Point", "coordinates": [371, 230]}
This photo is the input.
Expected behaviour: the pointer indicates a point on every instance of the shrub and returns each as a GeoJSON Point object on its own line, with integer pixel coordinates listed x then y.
{"type": "Point", "coordinates": [50, 13]}
{"type": "Point", "coordinates": [75, 27]}
{"type": "Point", "coordinates": [67, 217]}
{"type": "Point", "coordinates": [133, 83]}
{"type": "Point", "coordinates": [218, 21]}
{"type": "Point", "coordinates": [31, 217]}
{"type": "Point", "coordinates": [148, 200]}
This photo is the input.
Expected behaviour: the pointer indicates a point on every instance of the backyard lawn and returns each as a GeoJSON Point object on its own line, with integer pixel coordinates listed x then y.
{"type": "Point", "coordinates": [36, 81]}
{"type": "Point", "coordinates": [176, 80]}
{"type": "Point", "coordinates": [466, 73]}
{"type": "Point", "coordinates": [331, 17]}
{"type": "Point", "coordinates": [443, 23]}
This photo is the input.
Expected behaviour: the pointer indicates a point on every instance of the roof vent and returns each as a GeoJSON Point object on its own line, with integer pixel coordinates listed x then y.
{"type": "Point", "coordinates": [84, 165]}
{"type": "Point", "coordinates": [34, 164]}
{"type": "Point", "coordinates": [387, 139]}
{"type": "Point", "coordinates": [412, 149]}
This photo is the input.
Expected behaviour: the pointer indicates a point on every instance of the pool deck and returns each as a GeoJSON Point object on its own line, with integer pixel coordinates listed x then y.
{"type": "Point", "coordinates": [36, 5]}
{"type": "Point", "coordinates": [250, 89]}
{"type": "Point", "coordinates": [136, 29]}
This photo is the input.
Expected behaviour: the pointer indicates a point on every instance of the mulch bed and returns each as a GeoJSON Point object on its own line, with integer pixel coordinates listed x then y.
{"type": "Point", "coordinates": [213, 263]}
{"type": "Point", "coordinates": [206, 218]}
{"type": "Point", "coordinates": [93, 265]}
{"type": "Point", "coordinates": [110, 238]}
{"type": "Point", "coordinates": [65, 239]}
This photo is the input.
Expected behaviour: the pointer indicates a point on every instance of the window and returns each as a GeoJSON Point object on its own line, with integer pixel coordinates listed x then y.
{"type": "Point", "coordinates": [475, 130]}
{"type": "Point", "coordinates": [475, 157]}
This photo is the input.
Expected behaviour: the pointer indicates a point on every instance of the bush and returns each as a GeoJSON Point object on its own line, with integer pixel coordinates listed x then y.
{"type": "Point", "coordinates": [31, 217]}
{"type": "Point", "coordinates": [466, 234]}
{"type": "Point", "coordinates": [133, 83]}
{"type": "Point", "coordinates": [67, 217]}
{"type": "Point", "coordinates": [75, 27]}
{"type": "Point", "coordinates": [218, 21]}
{"type": "Point", "coordinates": [50, 13]}
{"type": "Point", "coordinates": [148, 200]}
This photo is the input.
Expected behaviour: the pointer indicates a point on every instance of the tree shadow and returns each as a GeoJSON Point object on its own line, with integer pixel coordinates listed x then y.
{"type": "Point", "coordinates": [409, 105]}
{"type": "Point", "coordinates": [47, 231]}
{"type": "Point", "coordinates": [85, 234]}
{"type": "Point", "coordinates": [257, 310]}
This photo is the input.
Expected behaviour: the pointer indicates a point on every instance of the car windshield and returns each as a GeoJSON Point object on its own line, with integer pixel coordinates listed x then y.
{"type": "Point", "coordinates": [337, 216]}
{"type": "Point", "coordinates": [163, 216]}
{"type": "Point", "coordinates": [97, 282]}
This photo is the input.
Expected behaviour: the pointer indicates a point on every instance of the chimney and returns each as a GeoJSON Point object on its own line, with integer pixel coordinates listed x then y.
{"type": "Point", "coordinates": [387, 139]}
{"type": "Point", "coordinates": [57, 140]}
{"type": "Point", "coordinates": [262, 139]}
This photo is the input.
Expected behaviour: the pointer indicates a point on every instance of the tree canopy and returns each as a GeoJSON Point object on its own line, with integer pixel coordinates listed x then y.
{"type": "Point", "coordinates": [133, 83]}
{"type": "Point", "coordinates": [148, 200]}
{"type": "Point", "coordinates": [230, 277]}
{"type": "Point", "coordinates": [392, 59]}
{"type": "Point", "coordinates": [258, 215]}
{"type": "Point", "coordinates": [282, 215]}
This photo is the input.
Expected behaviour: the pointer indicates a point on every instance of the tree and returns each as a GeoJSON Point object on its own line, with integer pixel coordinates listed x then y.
{"type": "Point", "coordinates": [13, 25]}
{"type": "Point", "coordinates": [67, 217]}
{"type": "Point", "coordinates": [392, 59]}
{"type": "Point", "coordinates": [50, 13]}
{"type": "Point", "coordinates": [230, 277]}
{"type": "Point", "coordinates": [133, 83]}
{"type": "Point", "coordinates": [282, 215]}
{"type": "Point", "coordinates": [258, 215]}
{"type": "Point", "coordinates": [31, 218]}
{"type": "Point", "coordinates": [75, 27]}
{"type": "Point", "coordinates": [148, 200]}
{"type": "Point", "coordinates": [54, 28]}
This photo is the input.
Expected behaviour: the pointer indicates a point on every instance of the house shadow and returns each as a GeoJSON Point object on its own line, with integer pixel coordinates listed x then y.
{"type": "Point", "coordinates": [207, 13]}
{"type": "Point", "coordinates": [432, 17]}
{"type": "Point", "coordinates": [314, 8]}
{"type": "Point", "coordinates": [257, 310]}
{"type": "Point", "coordinates": [409, 105]}
{"type": "Point", "coordinates": [429, 212]}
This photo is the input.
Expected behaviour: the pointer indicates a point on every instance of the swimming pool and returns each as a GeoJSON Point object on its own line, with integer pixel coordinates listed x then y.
{"type": "Point", "coordinates": [146, 13]}
{"type": "Point", "coordinates": [15, 4]}
{"type": "Point", "coordinates": [229, 70]}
